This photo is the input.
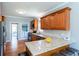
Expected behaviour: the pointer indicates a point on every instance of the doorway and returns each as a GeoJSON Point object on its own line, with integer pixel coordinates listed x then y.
{"type": "Point", "coordinates": [14, 32]}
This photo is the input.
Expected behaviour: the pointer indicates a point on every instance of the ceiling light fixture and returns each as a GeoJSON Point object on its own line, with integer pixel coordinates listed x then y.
{"type": "Point", "coordinates": [20, 11]}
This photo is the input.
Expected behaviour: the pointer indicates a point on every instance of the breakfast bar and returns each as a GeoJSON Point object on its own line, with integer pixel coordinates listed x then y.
{"type": "Point", "coordinates": [44, 48]}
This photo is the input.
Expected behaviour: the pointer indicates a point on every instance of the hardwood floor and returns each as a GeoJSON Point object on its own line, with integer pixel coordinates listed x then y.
{"type": "Point", "coordinates": [14, 49]}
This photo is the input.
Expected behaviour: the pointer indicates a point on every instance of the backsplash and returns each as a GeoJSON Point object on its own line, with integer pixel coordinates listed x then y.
{"type": "Point", "coordinates": [57, 33]}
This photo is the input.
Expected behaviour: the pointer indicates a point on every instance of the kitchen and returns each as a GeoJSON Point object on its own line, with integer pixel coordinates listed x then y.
{"type": "Point", "coordinates": [42, 47]}
{"type": "Point", "coordinates": [49, 34]}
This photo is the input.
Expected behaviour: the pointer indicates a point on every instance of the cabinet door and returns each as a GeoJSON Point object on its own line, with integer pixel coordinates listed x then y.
{"type": "Point", "coordinates": [34, 38]}
{"type": "Point", "coordinates": [60, 22]}
{"type": "Point", "coordinates": [43, 24]}
{"type": "Point", "coordinates": [52, 21]}
{"type": "Point", "coordinates": [48, 22]}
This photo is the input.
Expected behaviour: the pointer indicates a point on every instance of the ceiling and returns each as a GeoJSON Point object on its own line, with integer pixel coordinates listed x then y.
{"type": "Point", "coordinates": [27, 9]}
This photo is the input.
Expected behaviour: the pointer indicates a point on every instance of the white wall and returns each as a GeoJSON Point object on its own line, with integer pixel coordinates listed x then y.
{"type": "Point", "coordinates": [73, 34]}
{"type": "Point", "coordinates": [20, 21]}
{"type": "Point", "coordinates": [74, 23]}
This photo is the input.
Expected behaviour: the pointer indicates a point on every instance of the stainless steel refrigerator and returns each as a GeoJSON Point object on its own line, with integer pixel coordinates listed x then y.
{"type": "Point", "coordinates": [1, 39]}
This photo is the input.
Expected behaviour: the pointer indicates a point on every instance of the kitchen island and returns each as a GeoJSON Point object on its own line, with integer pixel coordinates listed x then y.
{"type": "Point", "coordinates": [43, 48]}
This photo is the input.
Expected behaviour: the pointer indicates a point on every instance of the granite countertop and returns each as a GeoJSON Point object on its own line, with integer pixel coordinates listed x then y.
{"type": "Point", "coordinates": [41, 46]}
{"type": "Point", "coordinates": [52, 36]}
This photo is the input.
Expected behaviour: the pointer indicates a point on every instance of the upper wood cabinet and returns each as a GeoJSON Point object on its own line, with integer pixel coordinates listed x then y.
{"type": "Point", "coordinates": [2, 18]}
{"type": "Point", "coordinates": [45, 23]}
{"type": "Point", "coordinates": [35, 23]}
{"type": "Point", "coordinates": [59, 20]}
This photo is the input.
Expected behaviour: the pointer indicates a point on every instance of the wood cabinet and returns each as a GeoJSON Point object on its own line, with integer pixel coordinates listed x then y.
{"type": "Point", "coordinates": [34, 25]}
{"type": "Point", "coordinates": [45, 23]}
{"type": "Point", "coordinates": [55, 51]}
{"type": "Point", "coordinates": [59, 20]}
{"type": "Point", "coordinates": [2, 18]}
{"type": "Point", "coordinates": [36, 37]}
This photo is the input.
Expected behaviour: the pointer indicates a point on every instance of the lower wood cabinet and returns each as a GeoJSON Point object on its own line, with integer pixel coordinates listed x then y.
{"type": "Point", "coordinates": [36, 37]}
{"type": "Point", "coordinates": [55, 51]}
